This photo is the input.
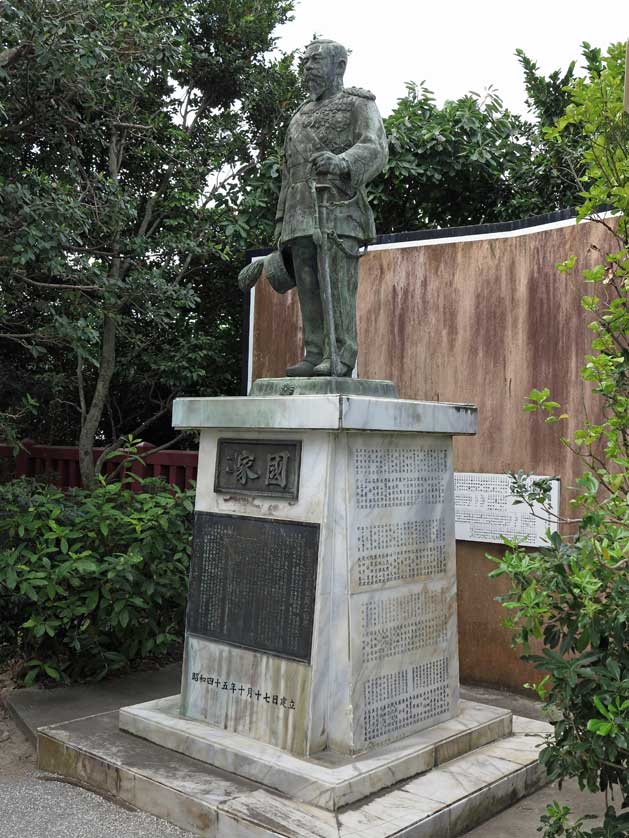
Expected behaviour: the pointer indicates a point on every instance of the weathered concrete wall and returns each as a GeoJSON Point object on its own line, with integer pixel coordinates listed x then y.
{"type": "Point", "coordinates": [479, 321]}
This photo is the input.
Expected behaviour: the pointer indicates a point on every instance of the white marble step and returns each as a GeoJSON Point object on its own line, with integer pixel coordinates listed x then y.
{"type": "Point", "coordinates": [326, 780]}
{"type": "Point", "coordinates": [445, 802]}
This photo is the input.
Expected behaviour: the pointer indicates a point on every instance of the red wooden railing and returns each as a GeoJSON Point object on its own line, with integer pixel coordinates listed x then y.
{"type": "Point", "coordinates": [59, 464]}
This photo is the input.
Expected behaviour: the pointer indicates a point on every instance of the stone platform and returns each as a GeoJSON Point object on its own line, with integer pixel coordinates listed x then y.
{"type": "Point", "coordinates": [445, 802]}
{"type": "Point", "coordinates": [328, 780]}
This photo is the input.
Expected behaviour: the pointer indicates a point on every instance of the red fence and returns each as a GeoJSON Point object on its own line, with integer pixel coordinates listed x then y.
{"type": "Point", "coordinates": [59, 464]}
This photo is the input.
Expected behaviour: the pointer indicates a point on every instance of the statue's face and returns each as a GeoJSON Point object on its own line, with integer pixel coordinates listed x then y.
{"type": "Point", "coordinates": [320, 69]}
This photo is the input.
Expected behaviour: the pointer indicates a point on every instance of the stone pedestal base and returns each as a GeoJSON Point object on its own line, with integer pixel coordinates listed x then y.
{"type": "Point", "coordinates": [446, 802]}
{"type": "Point", "coordinates": [330, 780]}
{"type": "Point", "coordinates": [322, 608]}
{"type": "Point", "coordinates": [320, 681]}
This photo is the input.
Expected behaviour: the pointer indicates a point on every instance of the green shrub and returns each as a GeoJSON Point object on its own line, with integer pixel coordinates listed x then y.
{"type": "Point", "coordinates": [574, 595]}
{"type": "Point", "coordinates": [91, 582]}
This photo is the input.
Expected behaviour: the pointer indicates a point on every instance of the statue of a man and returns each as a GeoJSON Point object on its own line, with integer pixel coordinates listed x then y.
{"type": "Point", "coordinates": [336, 139]}
{"type": "Point", "coordinates": [334, 146]}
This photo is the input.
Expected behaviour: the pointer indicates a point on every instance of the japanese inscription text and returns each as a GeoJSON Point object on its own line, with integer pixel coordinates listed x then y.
{"type": "Point", "coordinates": [252, 583]}
{"type": "Point", "coordinates": [241, 691]}
{"type": "Point", "coordinates": [401, 548]}
{"type": "Point", "coordinates": [258, 467]}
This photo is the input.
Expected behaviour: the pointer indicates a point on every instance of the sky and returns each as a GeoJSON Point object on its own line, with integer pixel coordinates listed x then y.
{"type": "Point", "coordinates": [454, 46]}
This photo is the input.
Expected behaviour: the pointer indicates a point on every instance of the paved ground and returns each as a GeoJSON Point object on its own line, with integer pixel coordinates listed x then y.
{"type": "Point", "coordinates": [34, 805]}
{"type": "Point", "coordinates": [522, 820]}
{"type": "Point", "coordinates": [37, 808]}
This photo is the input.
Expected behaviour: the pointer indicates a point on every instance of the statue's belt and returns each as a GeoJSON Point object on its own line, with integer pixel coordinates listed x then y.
{"type": "Point", "coordinates": [307, 176]}
{"type": "Point", "coordinates": [304, 174]}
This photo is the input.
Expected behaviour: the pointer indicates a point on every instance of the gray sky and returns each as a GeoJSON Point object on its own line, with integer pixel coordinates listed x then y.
{"type": "Point", "coordinates": [455, 46]}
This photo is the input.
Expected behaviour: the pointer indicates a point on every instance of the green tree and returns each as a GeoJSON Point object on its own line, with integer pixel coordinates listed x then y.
{"type": "Point", "coordinates": [472, 161]}
{"type": "Point", "coordinates": [548, 177]}
{"type": "Point", "coordinates": [574, 594]}
{"type": "Point", "coordinates": [447, 165]}
{"type": "Point", "coordinates": [123, 126]}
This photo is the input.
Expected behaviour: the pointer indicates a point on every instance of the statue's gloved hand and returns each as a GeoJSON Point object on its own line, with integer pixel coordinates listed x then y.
{"type": "Point", "coordinates": [327, 163]}
{"type": "Point", "coordinates": [250, 274]}
{"type": "Point", "coordinates": [277, 234]}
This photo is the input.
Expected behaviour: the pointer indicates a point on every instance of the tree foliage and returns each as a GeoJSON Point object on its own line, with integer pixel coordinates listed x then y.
{"type": "Point", "coordinates": [121, 125]}
{"type": "Point", "coordinates": [447, 164]}
{"type": "Point", "coordinates": [472, 161]}
{"type": "Point", "coordinates": [141, 156]}
{"type": "Point", "coordinates": [574, 594]}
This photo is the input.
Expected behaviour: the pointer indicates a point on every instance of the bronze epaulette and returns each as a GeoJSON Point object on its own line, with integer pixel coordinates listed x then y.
{"type": "Point", "coordinates": [361, 92]}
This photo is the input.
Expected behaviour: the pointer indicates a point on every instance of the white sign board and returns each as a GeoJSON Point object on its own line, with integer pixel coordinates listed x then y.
{"type": "Point", "coordinates": [484, 511]}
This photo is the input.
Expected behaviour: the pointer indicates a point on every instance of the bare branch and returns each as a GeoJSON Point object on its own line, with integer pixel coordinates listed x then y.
{"type": "Point", "coordinates": [66, 402]}
{"type": "Point", "coordinates": [113, 156]}
{"type": "Point", "coordinates": [116, 444]}
{"type": "Point", "coordinates": [597, 218]}
{"type": "Point", "coordinates": [60, 286]}
{"type": "Point", "coordinates": [101, 391]}
{"type": "Point", "coordinates": [163, 447]}
{"type": "Point", "coordinates": [112, 424]}
{"type": "Point", "coordinates": [148, 422]}
{"type": "Point", "coordinates": [20, 338]}
{"type": "Point", "coordinates": [146, 454]}
{"type": "Point", "coordinates": [132, 125]}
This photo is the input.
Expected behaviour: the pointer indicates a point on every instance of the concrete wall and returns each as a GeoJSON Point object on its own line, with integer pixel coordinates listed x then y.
{"type": "Point", "coordinates": [479, 319]}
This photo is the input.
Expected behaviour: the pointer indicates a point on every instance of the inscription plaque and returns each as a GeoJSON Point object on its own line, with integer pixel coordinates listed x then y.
{"type": "Point", "coordinates": [402, 624]}
{"type": "Point", "coordinates": [400, 700]}
{"type": "Point", "coordinates": [401, 533]}
{"type": "Point", "coordinates": [399, 477]}
{"type": "Point", "coordinates": [398, 551]}
{"type": "Point", "coordinates": [258, 467]}
{"type": "Point", "coordinates": [252, 583]}
{"type": "Point", "coordinates": [485, 511]}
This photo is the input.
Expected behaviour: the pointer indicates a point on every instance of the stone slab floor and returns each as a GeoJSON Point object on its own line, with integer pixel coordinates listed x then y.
{"type": "Point", "coordinates": [34, 805]}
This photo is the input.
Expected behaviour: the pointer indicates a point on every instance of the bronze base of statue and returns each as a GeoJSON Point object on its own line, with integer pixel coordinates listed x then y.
{"type": "Point", "coordinates": [323, 386]}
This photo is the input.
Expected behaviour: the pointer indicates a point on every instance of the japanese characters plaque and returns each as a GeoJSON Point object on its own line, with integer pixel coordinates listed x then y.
{"type": "Point", "coordinates": [258, 467]}
{"type": "Point", "coordinates": [252, 583]}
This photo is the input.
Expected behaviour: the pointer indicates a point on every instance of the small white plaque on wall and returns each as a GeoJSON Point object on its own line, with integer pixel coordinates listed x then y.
{"type": "Point", "coordinates": [485, 510]}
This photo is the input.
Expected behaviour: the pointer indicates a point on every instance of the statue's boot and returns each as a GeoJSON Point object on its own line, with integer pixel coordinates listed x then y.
{"type": "Point", "coordinates": [325, 368]}
{"type": "Point", "coordinates": [304, 369]}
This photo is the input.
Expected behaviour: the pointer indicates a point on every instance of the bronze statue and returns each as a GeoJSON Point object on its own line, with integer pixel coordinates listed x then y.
{"type": "Point", "coordinates": [334, 146]}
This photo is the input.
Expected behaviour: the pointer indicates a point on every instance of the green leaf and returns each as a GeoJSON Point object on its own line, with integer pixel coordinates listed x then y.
{"type": "Point", "coordinates": [31, 676]}
{"type": "Point", "coordinates": [11, 578]}
{"type": "Point", "coordinates": [92, 600]}
{"type": "Point", "coordinates": [52, 672]}
{"type": "Point", "coordinates": [601, 708]}
{"type": "Point", "coordinates": [599, 727]}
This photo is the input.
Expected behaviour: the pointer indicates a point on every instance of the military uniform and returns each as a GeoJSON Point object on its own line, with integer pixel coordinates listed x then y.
{"type": "Point", "coordinates": [349, 125]}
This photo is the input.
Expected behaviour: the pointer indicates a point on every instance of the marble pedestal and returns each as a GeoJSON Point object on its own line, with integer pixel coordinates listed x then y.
{"type": "Point", "coordinates": [335, 633]}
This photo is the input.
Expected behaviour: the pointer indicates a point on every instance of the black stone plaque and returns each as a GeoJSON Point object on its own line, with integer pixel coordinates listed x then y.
{"type": "Point", "coordinates": [258, 467]}
{"type": "Point", "coordinates": [252, 583]}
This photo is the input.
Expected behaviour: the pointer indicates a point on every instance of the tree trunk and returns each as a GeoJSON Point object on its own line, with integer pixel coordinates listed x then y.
{"type": "Point", "coordinates": [92, 420]}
